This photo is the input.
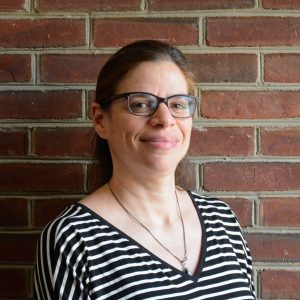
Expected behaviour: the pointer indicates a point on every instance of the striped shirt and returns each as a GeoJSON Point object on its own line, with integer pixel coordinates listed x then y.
{"type": "Point", "coordinates": [82, 256]}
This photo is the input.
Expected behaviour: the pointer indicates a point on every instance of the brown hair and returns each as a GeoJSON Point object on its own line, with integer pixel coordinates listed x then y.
{"type": "Point", "coordinates": [110, 76]}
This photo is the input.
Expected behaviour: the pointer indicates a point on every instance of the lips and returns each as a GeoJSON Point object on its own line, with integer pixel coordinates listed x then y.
{"type": "Point", "coordinates": [160, 142]}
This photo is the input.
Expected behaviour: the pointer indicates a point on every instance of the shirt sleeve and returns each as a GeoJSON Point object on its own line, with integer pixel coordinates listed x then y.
{"type": "Point", "coordinates": [60, 271]}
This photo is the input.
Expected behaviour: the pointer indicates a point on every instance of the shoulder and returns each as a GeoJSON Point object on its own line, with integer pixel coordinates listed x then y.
{"type": "Point", "coordinates": [210, 203]}
{"type": "Point", "coordinates": [214, 210]}
{"type": "Point", "coordinates": [69, 226]}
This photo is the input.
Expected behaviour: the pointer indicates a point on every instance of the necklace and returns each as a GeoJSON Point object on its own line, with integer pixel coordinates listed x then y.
{"type": "Point", "coordinates": [182, 261]}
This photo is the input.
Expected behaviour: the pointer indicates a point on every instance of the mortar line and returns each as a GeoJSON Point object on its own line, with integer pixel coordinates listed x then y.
{"type": "Point", "coordinates": [30, 140]}
{"type": "Point", "coordinates": [256, 211]}
{"type": "Point", "coordinates": [89, 32]}
{"type": "Point", "coordinates": [253, 12]}
{"type": "Point", "coordinates": [257, 141]}
{"type": "Point", "coordinates": [83, 105]}
{"type": "Point", "coordinates": [192, 49]}
{"type": "Point", "coordinates": [262, 67]}
{"type": "Point", "coordinates": [202, 31]}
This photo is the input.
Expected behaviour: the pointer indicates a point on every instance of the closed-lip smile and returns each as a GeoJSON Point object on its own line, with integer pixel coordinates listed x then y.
{"type": "Point", "coordinates": [161, 142]}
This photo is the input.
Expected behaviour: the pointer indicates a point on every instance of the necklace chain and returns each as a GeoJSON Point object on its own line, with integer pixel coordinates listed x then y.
{"type": "Point", "coordinates": [182, 261]}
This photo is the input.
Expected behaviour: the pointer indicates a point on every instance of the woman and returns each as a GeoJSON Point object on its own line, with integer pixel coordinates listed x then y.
{"type": "Point", "coordinates": [140, 235]}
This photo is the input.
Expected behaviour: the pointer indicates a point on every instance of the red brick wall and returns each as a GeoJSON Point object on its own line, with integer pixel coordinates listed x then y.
{"type": "Point", "coordinates": [246, 140]}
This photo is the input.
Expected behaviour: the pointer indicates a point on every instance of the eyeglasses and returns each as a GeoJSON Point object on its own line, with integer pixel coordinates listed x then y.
{"type": "Point", "coordinates": [146, 104]}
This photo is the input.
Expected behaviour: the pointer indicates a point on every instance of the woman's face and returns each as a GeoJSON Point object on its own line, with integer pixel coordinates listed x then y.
{"type": "Point", "coordinates": [153, 143]}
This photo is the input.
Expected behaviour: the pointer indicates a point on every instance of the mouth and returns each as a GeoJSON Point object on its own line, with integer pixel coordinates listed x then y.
{"type": "Point", "coordinates": [161, 142]}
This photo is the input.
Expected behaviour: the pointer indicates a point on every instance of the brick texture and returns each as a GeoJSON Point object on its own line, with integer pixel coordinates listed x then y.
{"type": "Point", "coordinates": [250, 104]}
{"type": "Point", "coordinates": [224, 67]}
{"type": "Point", "coordinates": [64, 142]}
{"type": "Point", "coordinates": [225, 141]}
{"type": "Point", "coordinates": [88, 5]}
{"type": "Point", "coordinates": [274, 247]}
{"type": "Point", "coordinates": [278, 4]}
{"type": "Point", "coordinates": [13, 283]}
{"type": "Point", "coordinates": [12, 5]}
{"type": "Point", "coordinates": [199, 4]}
{"type": "Point", "coordinates": [251, 176]}
{"type": "Point", "coordinates": [10, 246]}
{"type": "Point", "coordinates": [13, 142]}
{"type": "Point", "coordinates": [280, 141]}
{"type": "Point", "coordinates": [245, 145]}
{"type": "Point", "coordinates": [45, 210]}
{"type": "Point", "coordinates": [112, 32]}
{"type": "Point", "coordinates": [280, 284]}
{"type": "Point", "coordinates": [14, 212]}
{"type": "Point", "coordinates": [243, 208]}
{"type": "Point", "coordinates": [282, 68]}
{"type": "Point", "coordinates": [15, 68]}
{"type": "Point", "coordinates": [40, 105]}
{"type": "Point", "coordinates": [71, 68]}
{"type": "Point", "coordinates": [280, 212]}
{"type": "Point", "coordinates": [42, 33]}
{"type": "Point", "coordinates": [41, 177]}
{"type": "Point", "coordinates": [253, 31]}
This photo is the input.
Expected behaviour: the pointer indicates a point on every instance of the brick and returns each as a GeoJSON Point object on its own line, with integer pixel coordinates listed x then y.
{"type": "Point", "coordinates": [42, 177]}
{"type": "Point", "coordinates": [64, 142]}
{"type": "Point", "coordinates": [93, 177]}
{"type": "Point", "coordinates": [243, 209]}
{"type": "Point", "coordinates": [282, 68]}
{"type": "Point", "coordinates": [14, 212]}
{"type": "Point", "coordinates": [279, 4]}
{"type": "Point", "coordinates": [280, 284]}
{"type": "Point", "coordinates": [91, 99]}
{"type": "Point", "coordinates": [13, 283]}
{"type": "Point", "coordinates": [118, 32]}
{"type": "Point", "coordinates": [251, 176]}
{"type": "Point", "coordinates": [13, 142]}
{"type": "Point", "coordinates": [71, 68]}
{"type": "Point", "coordinates": [10, 245]}
{"type": "Point", "coordinates": [224, 67]}
{"type": "Point", "coordinates": [45, 210]}
{"type": "Point", "coordinates": [280, 212]}
{"type": "Point", "coordinates": [274, 247]}
{"type": "Point", "coordinates": [15, 68]}
{"type": "Point", "coordinates": [227, 141]}
{"type": "Point", "coordinates": [12, 5]}
{"type": "Point", "coordinates": [37, 105]}
{"type": "Point", "coordinates": [253, 31]}
{"type": "Point", "coordinates": [280, 141]}
{"type": "Point", "coordinates": [88, 5]}
{"type": "Point", "coordinates": [250, 104]}
{"type": "Point", "coordinates": [199, 4]}
{"type": "Point", "coordinates": [42, 33]}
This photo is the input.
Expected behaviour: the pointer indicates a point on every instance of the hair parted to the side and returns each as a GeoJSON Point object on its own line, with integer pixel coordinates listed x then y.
{"type": "Point", "coordinates": [112, 74]}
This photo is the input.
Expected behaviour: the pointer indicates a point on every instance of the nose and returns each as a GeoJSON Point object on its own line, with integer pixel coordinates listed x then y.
{"type": "Point", "coordinates": [162, 116]}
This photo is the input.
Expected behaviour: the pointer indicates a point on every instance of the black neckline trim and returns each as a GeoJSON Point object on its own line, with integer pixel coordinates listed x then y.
{"type": "Point", "coordinates": [202, 253]}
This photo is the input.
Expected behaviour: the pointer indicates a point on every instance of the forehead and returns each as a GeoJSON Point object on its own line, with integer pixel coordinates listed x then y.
{"type": "Point", "coordinates": [153, 77]}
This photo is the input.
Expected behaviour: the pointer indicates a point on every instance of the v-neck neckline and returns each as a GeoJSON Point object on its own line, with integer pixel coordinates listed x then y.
{"type": "Point", "coordinates": [202, 254]}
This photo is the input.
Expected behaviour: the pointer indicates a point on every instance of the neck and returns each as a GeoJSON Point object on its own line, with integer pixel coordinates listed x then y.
{"type": "Point", "coordinates": [154, 201]}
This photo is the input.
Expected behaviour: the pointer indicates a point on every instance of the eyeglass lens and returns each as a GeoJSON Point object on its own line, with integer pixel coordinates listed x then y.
{"type": "Point", "coordinates": [144, 105]}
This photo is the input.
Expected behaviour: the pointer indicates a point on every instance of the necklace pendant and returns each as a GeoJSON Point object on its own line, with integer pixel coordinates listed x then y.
{"type": "Point", "coordinates": [183, 265]}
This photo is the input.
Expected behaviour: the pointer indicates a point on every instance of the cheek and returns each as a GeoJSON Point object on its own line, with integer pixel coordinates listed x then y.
{"type": "Point", "coordinates": [124, 130]}
{"type": "Point", "coordinates": [186, 128]}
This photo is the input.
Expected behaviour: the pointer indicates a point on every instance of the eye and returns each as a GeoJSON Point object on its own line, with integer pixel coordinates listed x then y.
{"type": "Point", "coordinates": [141, 103]}
{"type": "Point", "coordinates": [179, 104]}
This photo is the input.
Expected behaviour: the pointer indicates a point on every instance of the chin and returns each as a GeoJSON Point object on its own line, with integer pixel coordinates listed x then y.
{"type": "Point", "coordinates": [163, 165]}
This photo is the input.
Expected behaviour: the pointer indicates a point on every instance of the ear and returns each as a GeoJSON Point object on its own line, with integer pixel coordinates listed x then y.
{"type": "Point", "coordinates": [100, 120]}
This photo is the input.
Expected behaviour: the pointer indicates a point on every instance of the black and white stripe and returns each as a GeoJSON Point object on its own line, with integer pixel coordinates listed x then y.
{"type": "Point", "coordinates": [82, 256]}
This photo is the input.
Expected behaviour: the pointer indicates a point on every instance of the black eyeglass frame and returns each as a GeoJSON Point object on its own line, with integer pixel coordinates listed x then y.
{"type": "Point", "coordinates": [159, 100]}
